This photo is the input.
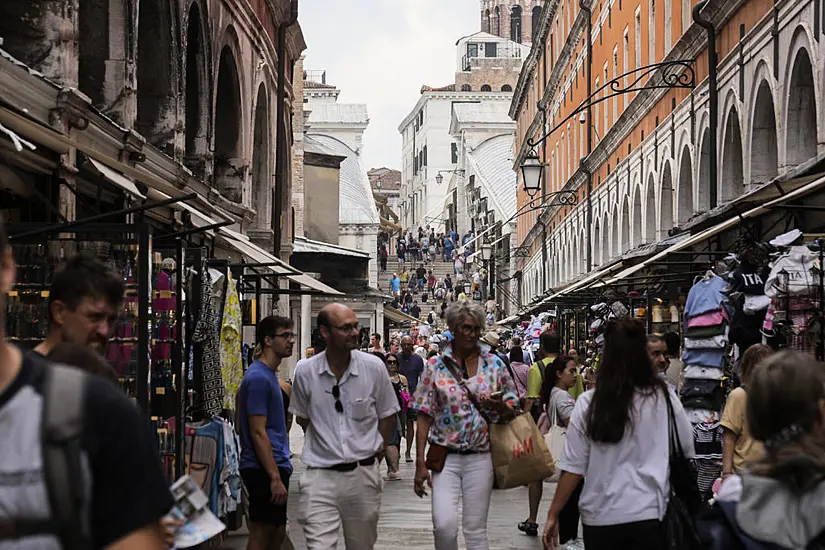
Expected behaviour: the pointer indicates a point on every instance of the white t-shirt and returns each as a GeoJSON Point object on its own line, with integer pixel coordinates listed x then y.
{"type": "Point", "coordinates": [626, 481]}
{"type": "Point", "coordinates": [367, 396]}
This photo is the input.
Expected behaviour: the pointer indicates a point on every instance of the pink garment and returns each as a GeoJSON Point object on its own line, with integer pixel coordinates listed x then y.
{"type": "Point", "coordinates": [709, 319]}
{"type": "Point", "coordinates": [521, 372]}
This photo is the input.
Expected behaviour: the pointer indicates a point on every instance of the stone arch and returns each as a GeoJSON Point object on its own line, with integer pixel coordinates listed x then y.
{"type": "Point", "coordinates": [685, 197]}
{"type": "Point", "coordinates": [515, 24]}
{"type": "Point", "coordinates": [156, 74]}
{"type": "Point", "coordinates": [198, 90]}
{"type": "Point", "coordinates": [636, 218]}
{"type": "Point", "coordinates": [486, 21]}
{"type": "Point", "coordinates": [625, 242]}
{"type": "Point", "coordinates": [703, 183]}
{"type": "Point", "coordinates": [506, 88]}
{"type": "Point", "coordinates": [650, 211]}
{"type": "Point", "coordinates": [536, 20]}
{"type": "Point", "coordinates": [732, 183]}
{"type": "Point", "coordinates": [261, 164]}
{"type": "Point", "coordinates": [496, 22]}
{"type": "Point", "coordinates": [229, 164]}
{"type": "Point", "coordinates": [466, 88]}
{"type": "Point", "coordinates": [763, 145]}
{"type": "Point", "coordinates": [597, 242]}
{"type": "Point", "coordinates": [605, 246]}
{"type": "Point", "coordinates": [94, 30]}
{"type": "Point", "coordinates": [801, 138]}
{"type": "Point", "coordinates": [582, 267]}
{"type": "Point", "coordinates": [665, 201]}
{"type": "Point", "coordinates": [615, 245]}
{"type": "Point", "coordinates": [486, 88]}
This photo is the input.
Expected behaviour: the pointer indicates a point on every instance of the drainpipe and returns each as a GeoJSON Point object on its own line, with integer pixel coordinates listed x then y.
{"type": "Point", "coordinates": [713, 95]}
{"type": "Point", "coordinates": [586, 8]}
{"type": "Point", "coordinates": [281, 157]}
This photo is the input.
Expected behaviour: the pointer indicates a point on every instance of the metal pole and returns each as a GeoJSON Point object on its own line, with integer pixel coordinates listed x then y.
{"type": "Point", "coordinates": [177, 360]}
{"type": "Point", "coordinates": [144, 273]}
{"type": "Point", "coordinates": [821, 354]}
{"type": "Point", "coordinates": [713, 95]}
{"type": "Point", "coordinates": [584, 6]}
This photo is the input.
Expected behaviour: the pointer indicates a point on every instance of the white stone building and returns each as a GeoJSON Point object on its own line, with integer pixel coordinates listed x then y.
{"type": "Point", "coordinates": [340, 128]}
{"type": "Point", "coordinates": [487, 68]}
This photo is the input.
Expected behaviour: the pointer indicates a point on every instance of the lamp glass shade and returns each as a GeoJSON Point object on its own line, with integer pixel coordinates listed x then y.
{"type": "Point", "coordinates": [439, 178]}
{"type": "Point", "coordinates": [531, 172]}
{"type": "Point", "coordinates": [486, 252]}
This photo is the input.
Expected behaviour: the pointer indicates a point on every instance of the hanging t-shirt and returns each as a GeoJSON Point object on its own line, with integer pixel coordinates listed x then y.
{"type": "Point", "coordinates": [706, 295]}
{"type": "Point", "coordinates": [231, 361]}
{"type": "Point", "coordinates": [206, 334]}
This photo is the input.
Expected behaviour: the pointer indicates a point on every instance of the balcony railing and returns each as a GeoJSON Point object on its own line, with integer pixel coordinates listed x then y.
{"type": "Point", "coordinates": [319, 77]}
{"type": "Point", "coordinates": [500, 51]}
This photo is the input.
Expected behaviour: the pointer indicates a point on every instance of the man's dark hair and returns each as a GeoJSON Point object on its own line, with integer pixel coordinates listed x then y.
{"type": "Point", "coordinates": [269, 326]}
{"type": "Point", "coordinates": [673, 343]}
{"type": "Point", "coordinates": [550, 343]}
{"type": "Point", "coordinates": [4, 239]}
{"type": "Point", "coordinates": [376, 336]}
{"type": "Point", "coordinates": [84, 276]}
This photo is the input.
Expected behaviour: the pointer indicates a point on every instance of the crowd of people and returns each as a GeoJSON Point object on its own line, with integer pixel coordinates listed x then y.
{"type": "Point", "coordinates": [429, 398]}
{"type": "Point", "coordinates": [425, 245]}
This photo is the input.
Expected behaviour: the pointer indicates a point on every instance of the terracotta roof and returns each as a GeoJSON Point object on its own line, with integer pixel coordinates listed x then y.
{"type": "Point", "coordinates": [447, 88]}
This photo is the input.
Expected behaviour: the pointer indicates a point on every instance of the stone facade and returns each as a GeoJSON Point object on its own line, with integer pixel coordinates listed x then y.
{"type": "Point", "coordinates": [152, 68]}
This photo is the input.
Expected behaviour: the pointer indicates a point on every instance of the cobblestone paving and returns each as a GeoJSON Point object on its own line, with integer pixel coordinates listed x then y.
{"type": "Point", "coordinates": [406, 520]}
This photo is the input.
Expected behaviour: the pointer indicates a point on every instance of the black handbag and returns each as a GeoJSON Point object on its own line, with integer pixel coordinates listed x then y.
{"type": "Point", "coordinates": [685, 498]}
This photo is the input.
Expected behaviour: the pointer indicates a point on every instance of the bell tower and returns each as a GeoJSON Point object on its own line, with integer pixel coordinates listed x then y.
{"type": "Point", "coordinates": [512, 20]}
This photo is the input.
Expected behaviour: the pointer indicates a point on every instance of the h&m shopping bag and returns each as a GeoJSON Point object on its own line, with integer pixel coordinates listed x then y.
{"type": "Point", "coordinates": [519, 454]}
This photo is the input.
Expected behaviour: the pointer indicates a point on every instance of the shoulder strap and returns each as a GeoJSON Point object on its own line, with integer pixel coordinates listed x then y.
{"type": "Point", "coordinates": [455, 372]}
{"type": "Point", "coordinates": [63, 422]}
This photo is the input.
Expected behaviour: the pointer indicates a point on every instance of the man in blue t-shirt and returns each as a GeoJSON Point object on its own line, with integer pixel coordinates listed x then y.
{"type": "Point", "coordinates": [411, 367]}
{"type": "Point", "coordinates": [265, 465]}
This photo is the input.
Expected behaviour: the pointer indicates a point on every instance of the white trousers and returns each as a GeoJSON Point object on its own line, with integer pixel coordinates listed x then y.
{"type": "Point", "coordinates": [471, 478]}
{"type": "Point", "coordinates": [328, 499]}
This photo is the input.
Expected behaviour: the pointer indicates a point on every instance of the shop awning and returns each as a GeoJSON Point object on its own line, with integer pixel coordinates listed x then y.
{"type": "Point", "coordinates": [116, 178]}
{"type": "Point", "coordinates": [584, 283]}
{"type": "Point", "coordinates": [815, 183]}
{"type": "Point", "coordinates": [399, 317]}
{"type": "Point", "coordinates": [512, 319]}
{"type": "Point", "coordinates": [279, 267]}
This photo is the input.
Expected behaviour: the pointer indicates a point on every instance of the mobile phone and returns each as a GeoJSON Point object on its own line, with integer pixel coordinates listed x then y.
{"type": "Point", "coordinates": [496, 395]}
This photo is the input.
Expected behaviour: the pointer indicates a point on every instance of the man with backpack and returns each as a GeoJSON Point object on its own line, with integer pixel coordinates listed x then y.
{"type": "Point", "coordinates": [77, 466]}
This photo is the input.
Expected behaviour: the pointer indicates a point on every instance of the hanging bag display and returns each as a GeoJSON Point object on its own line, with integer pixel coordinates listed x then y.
{"type": "Point", "coordinates": [685, 499]}
{"type": "Point", "coordinates": [520, 456]}
{"type": "Point", "coordinates": [554, 439]}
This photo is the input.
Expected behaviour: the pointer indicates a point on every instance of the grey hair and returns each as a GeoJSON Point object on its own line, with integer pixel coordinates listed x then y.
{"type": "Point", "coordinates": [655, 339]}
{"type": "Point", "coordinates": [458, 311]}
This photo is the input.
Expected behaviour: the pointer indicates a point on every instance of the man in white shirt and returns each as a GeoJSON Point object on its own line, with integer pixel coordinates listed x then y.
{"type": "Point", "coordinates": [344, 400]}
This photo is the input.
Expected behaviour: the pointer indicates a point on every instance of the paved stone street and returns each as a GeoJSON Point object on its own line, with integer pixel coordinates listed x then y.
{"type": "Point", "coordinates": [405, 519]}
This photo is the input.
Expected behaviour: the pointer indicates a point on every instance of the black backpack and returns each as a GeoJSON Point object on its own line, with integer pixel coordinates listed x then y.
{"type": "Point", "coordinates": [62, 424]}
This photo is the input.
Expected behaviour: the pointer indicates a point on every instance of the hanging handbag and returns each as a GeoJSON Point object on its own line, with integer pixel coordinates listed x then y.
{"type": "Point", "coordinates": [554, 439]}
{"type": "Point", "coordinates": [685, 498]}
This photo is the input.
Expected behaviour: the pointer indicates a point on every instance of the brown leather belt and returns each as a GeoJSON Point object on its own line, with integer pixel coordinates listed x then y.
{"type": "Point", "coordinates": [350, 466]}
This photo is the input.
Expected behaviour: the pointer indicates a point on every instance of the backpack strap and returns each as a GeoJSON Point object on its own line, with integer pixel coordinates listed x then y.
{"type": "Point", "coordinates": [64, 396]}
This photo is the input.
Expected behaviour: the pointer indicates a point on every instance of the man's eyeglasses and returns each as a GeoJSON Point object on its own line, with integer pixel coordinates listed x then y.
{"type": "Point", "coordinates": [392, 362]}
{"type": "Point", "coordinates": [286, 335]}
{"type": "Point", "coordinates": [348, 328]}
{"type": "Point", "coordinates": [336, 393]}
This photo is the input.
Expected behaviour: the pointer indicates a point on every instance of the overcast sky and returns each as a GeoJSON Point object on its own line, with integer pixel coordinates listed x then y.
{"type": "Point", "coordinates": [380, 52]}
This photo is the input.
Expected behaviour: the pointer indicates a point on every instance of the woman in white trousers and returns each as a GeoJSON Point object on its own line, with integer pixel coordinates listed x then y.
{"type": "Point", "coordinates": [457, 430]}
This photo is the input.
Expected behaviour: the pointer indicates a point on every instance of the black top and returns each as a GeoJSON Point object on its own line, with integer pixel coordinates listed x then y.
{"type": "Point", "coordinates": [128, 489]}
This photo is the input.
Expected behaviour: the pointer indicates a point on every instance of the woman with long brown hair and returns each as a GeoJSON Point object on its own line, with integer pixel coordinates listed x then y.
{"type": "Point", "coordinates": [618, 442]}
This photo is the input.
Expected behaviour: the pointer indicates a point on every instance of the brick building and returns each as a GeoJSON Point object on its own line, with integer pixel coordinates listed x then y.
{"type": "Point", "coordinates": [517, 21]}
{"type": "Point", "coordinates": [643, 178]}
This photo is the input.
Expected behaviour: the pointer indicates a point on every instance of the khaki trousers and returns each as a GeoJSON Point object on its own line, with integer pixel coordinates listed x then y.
{"type": "Point", "coordinates": [328, 500]}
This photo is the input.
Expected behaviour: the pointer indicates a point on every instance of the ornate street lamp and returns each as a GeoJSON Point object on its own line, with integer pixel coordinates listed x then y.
{"type": "Point", "coordinates": [531, 172]}
{"type": "Point", "coordinates": [439, 179]}
{"type": "Point", "coordinates": [486, 252]}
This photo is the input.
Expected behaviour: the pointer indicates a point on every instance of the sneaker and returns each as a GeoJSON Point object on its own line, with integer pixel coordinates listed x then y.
{"type": "Point", "coordinates": [575, 544]}
{"type": "Point", "coordinates": [393, 476]}
{"type": "Point", "coordinates": [408, 458]}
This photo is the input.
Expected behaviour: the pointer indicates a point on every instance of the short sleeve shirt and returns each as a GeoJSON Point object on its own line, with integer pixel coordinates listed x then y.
{"type": "Point", "coordinates": [128, 490]}
{"type": "Point", "coordinates": [746, 449]}
{"type": "Point", "coordinates": [366, 395]}
{"type": "Point", "coordinates": [261, 395]}
{"type": "Point", "coordinates": [457, 424]}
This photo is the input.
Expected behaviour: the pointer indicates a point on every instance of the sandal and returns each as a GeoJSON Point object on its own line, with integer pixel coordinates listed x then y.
{"type": "Point", "coordinates": [529, 528]}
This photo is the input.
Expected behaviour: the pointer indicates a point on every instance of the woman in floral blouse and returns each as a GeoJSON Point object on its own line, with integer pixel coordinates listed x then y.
{"type": "Point", "coordinates": [448, 418]}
